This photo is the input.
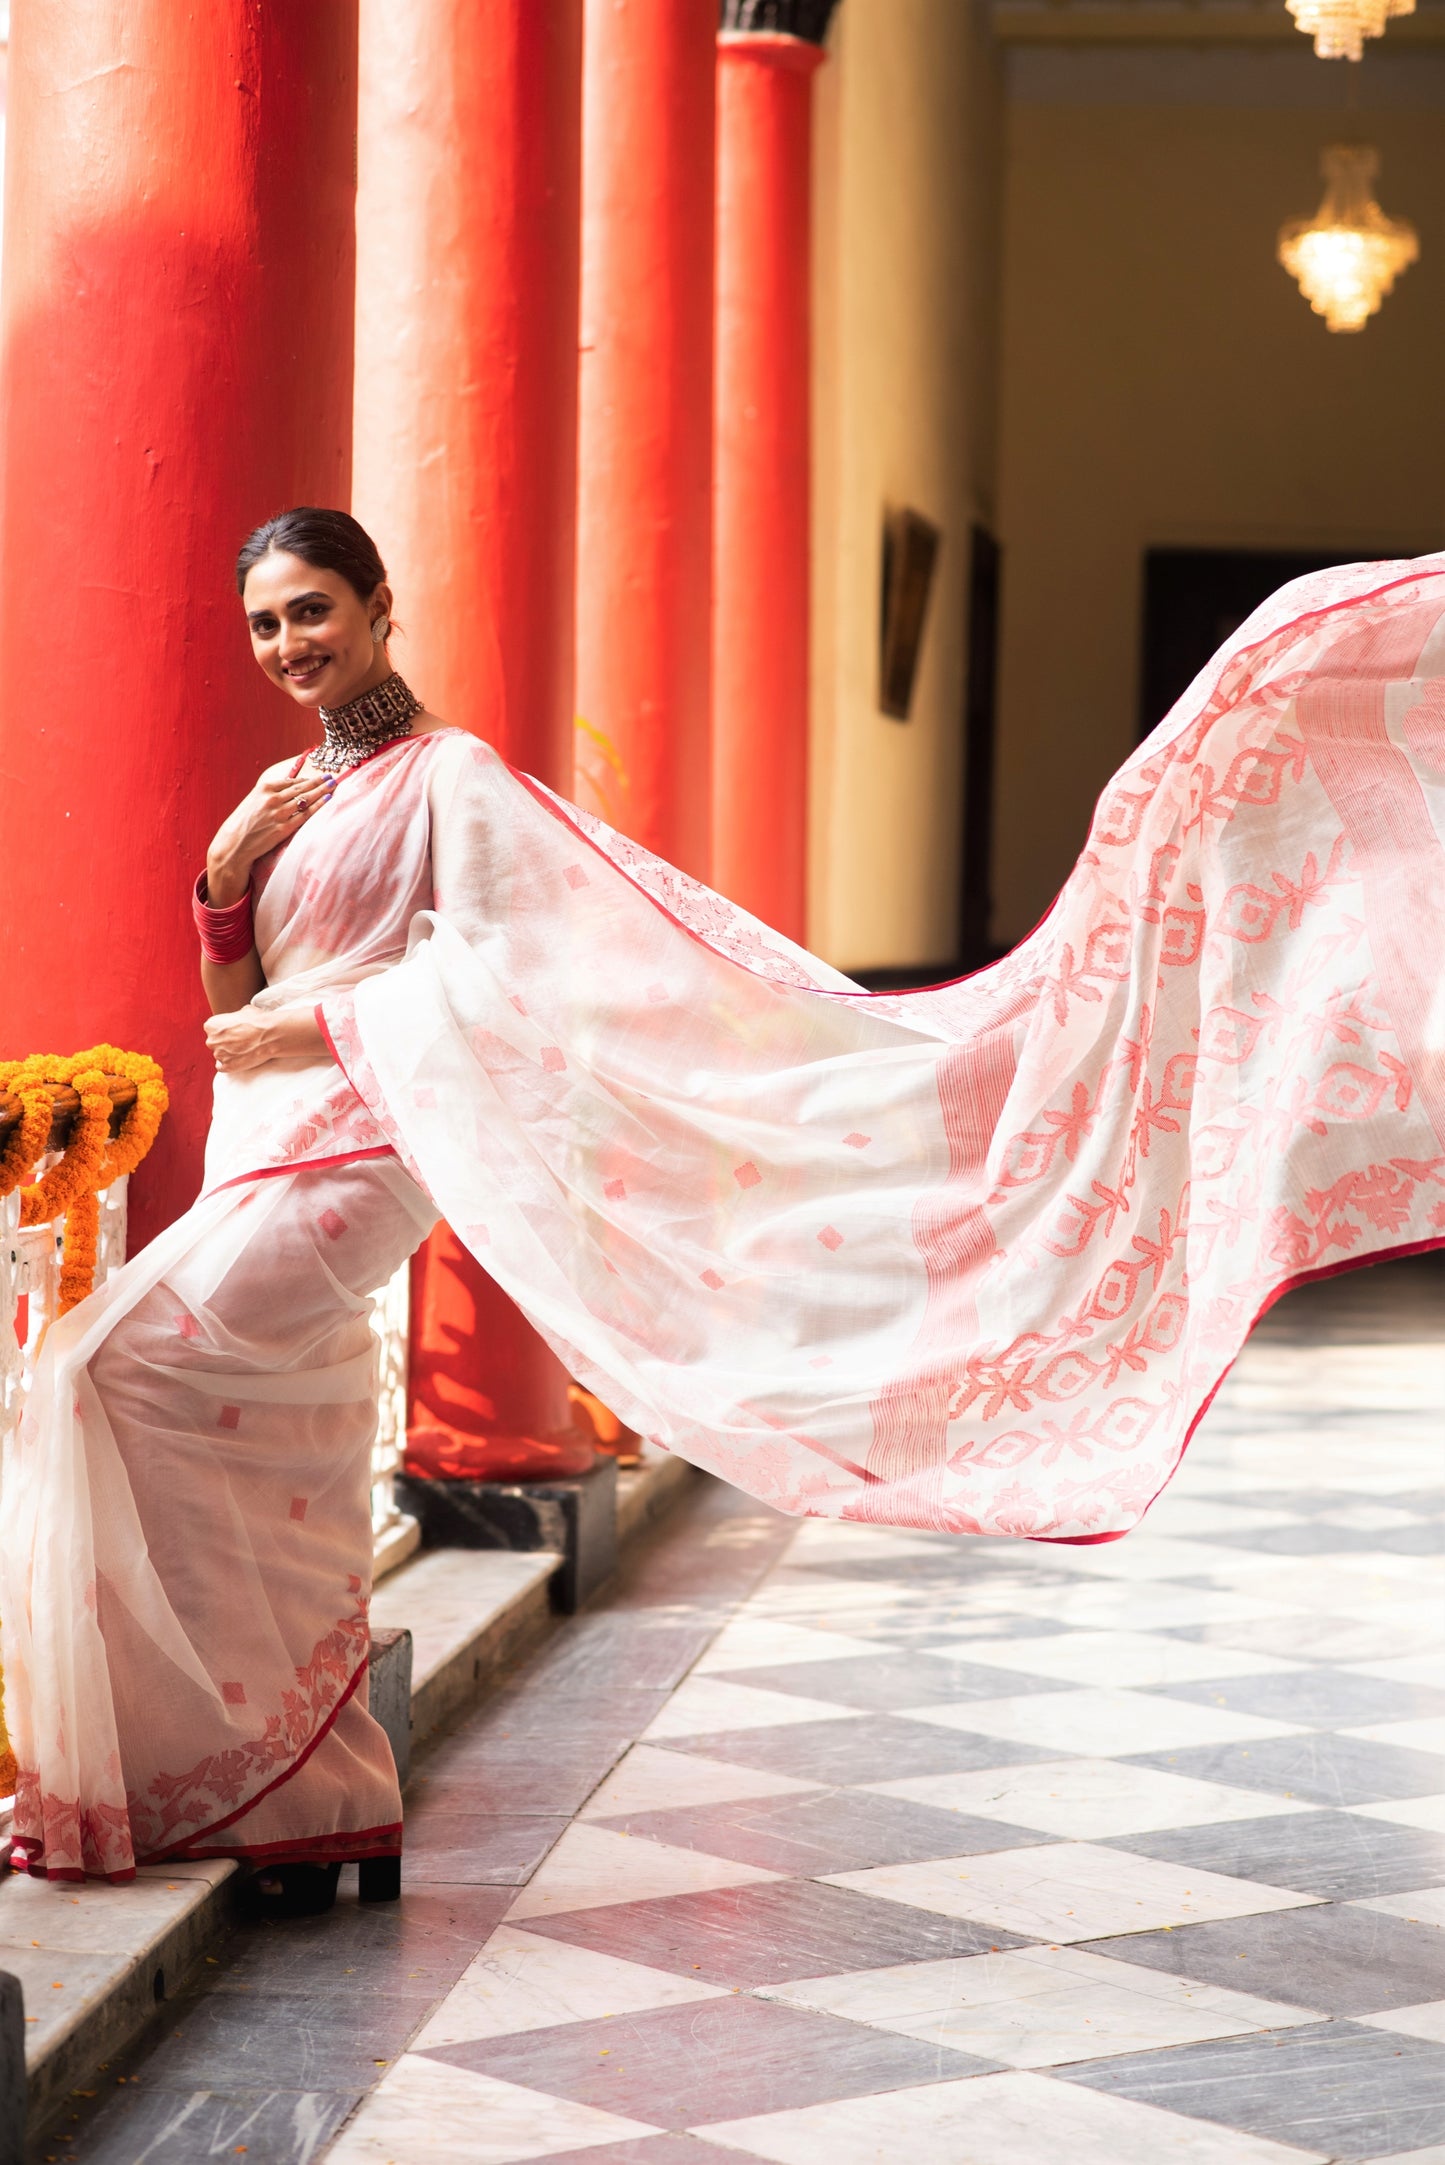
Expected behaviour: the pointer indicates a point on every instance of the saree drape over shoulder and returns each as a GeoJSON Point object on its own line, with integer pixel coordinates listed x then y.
{"type": "Point", "coordinates": [972, 1258]}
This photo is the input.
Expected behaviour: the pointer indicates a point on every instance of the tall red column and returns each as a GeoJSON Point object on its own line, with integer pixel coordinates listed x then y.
{"type": "Point", "coordinates": [175, 364]}
{"type": "Point", "coordinates": [468, 223]}
{"type": "Point", "coordinates": [761, 568]}
{"type": "Point", "coordinates": [644, 539]}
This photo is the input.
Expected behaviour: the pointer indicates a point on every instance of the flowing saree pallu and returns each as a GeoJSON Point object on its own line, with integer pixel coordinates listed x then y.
{"type": "Point", "coordinates": [971, 1258]}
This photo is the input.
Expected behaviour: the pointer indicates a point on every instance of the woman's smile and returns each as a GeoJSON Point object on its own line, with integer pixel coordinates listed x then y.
{"type": "Point", "coordinates": [306, 668]}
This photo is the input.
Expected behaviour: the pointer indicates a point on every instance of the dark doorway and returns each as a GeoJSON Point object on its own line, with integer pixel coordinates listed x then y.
{"type": "Point", "coordinates": [1195, 598]}
{"type": "Point", "coordinates": [980, 734]}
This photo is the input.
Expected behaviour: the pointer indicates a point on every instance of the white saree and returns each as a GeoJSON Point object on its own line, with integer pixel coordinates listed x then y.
{"type": "Point", "coordinates": [973, 1258]}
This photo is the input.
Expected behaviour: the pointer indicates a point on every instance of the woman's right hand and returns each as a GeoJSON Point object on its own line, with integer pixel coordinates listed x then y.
{"type": "Point", "coordinates": [275, 809]}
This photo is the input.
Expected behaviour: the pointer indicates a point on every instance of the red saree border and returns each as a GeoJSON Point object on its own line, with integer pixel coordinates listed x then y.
{"type": "Point", "coordinates": [339, 1848]}
{"type": "Point", "coordinates": [34, 1849]}
{"type": "Point", "coordinates": [305, 1165]}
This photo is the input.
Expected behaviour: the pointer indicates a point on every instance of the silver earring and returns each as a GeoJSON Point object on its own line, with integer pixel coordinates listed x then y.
{"type": "Point", "coordinates": [380, 628]}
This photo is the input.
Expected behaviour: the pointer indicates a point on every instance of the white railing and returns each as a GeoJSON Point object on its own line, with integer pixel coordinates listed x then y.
{"type": "Point", "coordinates": [30, 1294]}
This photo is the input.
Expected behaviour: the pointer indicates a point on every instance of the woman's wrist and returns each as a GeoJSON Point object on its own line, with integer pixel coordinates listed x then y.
{"type": "Point", "coordinates": [227, 880]}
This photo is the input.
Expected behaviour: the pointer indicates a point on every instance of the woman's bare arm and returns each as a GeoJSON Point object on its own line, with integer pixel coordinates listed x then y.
{"type": "Point", "coordinates": [229, 985]}
{"type": "Point", "coordinates": [250, 1036]}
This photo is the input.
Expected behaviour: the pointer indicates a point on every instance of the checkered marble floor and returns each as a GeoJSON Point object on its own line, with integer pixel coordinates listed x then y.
{"type": "Point", "coordinates": [1001, 1854]}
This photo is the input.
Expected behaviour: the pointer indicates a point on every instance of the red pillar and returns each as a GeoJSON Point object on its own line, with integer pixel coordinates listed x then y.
{"type": "Point", "coordinates": [644, 540]}
{"type": "Point", "coordinates": [176, 365]}
{"type": "Point", "coordinates": [761, 568]}
{"type": "Point", "coordinates": [468, 221]}
{"type": "Point", "coordinates": [468, 225]}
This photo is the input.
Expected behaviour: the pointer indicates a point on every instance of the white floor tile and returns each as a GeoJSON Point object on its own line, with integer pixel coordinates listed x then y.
{"type": "Point", "coordinates": [1146, 1554]}
{"type": "Point", "coordinates": [522, 1982]}
{"type": "Point", "coordinates": [650, 1779]}
{"type": "Point", "coordinates": [1010, 2119]}
{"type": "Point", "coordinates": [1069, 1891]}
{"type": "Point", "coordinates": [1102, 1722]}
{"type": "Point", "coordinates": [1121, 1658]}
{"type": "Point", "coordinates": [1426, 1812]}
{"type": "Point", "coordinates": [1088, 1799]}
{"type": "Point", "coordinates": [1435, 2155]}
{"type": "Point", "coordinates": [1428, 1668]}
{"type": "Point", "coordinates": [705, 1706]}
{"type": "Point", "coordinates": [1190, 1517]}
{"type": "Point", "coordinates": [425, 2112]}
{"type": "Point", "coordinates": [1108, 1605]}
{"type": "Point", "coordinates": [591, 1866]}
{"type": "Point", "coordinates": [1426, 1905]}
{"type": "Point", "coordinates": [1427, 2021]}
{"type": "Point", "coordinates": [1041, 2007]}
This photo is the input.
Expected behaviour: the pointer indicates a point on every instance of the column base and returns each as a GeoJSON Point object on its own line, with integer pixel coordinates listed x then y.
{"type": "Point", "coordinates": [576, 1516]}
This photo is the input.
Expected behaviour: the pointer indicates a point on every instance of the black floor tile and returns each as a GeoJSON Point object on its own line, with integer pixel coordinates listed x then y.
{"type": "Point", "coordinates": [519, 1773]}
{"type": "Point", "coordinates": [1338, 1960]}
{"type": "Point", "coordinates": [872, 1748]}
{"type": "Point", "coordinates": [607, 1651]}
{"type": "Point", "coordinates": [1322, 1698]}
{"type": "Point", "coordinates": [1335, 2088]}
{"type": "Point", "coordinates": [1340, 1855]}
{"type": "Point", "coordinates": [681, 2067]}
{"type": "Point", "coordinates": [883, 1682]}
{"type": "Point", "coordinates": [813, 1832]}
{"type": "Point", "coordinates": [172, 2127]}
{"type": "Point", "coordinates": [770, 1933]}
{"type": "Point", "coordinates": [1320, 1539]}
{"type": "Point", "coordinates": [262, 2039]}
{"type": "Point", "coordinates": [1317, 1768]}
{"type": "Point", "coordinates": [477, 1849]}
{"type": "Point", "coordinates": [425, 1940]}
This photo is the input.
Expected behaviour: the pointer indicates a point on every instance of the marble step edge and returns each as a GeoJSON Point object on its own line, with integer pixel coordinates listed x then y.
{"type": "Point", "coordinates": [472, 1614]}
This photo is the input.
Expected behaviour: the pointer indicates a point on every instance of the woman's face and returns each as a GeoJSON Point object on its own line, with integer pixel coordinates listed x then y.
{"type": "Point", "coordinates": [312, 632]}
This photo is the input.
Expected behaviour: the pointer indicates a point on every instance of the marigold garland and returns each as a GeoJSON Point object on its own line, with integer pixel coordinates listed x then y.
{"type": "Point", "coordinates": [90, 1160]}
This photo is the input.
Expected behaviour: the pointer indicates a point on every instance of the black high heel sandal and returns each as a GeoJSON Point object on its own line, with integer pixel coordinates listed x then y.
{"type": "Point", "coordinates": [379, 1879]}
{"type": "Point", "coordinates": [291, 1890]}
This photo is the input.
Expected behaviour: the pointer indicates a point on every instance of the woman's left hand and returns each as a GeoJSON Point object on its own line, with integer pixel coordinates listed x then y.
{"type": "Point", "coordinates": [252, 1036]}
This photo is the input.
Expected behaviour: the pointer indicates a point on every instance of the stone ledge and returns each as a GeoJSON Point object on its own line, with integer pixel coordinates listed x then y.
{"type": "Point", "coordinates": [115, 1952]}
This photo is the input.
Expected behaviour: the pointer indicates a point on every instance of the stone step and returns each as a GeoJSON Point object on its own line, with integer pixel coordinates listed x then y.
{"type": "Point", "coordinates": [91, 1963]}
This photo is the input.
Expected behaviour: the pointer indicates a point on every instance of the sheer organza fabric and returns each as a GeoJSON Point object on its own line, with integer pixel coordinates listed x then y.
{"type": "Point", "coordinates": [972, 1258]}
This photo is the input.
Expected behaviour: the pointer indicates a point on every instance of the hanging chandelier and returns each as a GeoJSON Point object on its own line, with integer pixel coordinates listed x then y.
{"type": "Point", "coordinates": [1340, 27]}
{"type": "Point", "coordinates": [1347, 257]}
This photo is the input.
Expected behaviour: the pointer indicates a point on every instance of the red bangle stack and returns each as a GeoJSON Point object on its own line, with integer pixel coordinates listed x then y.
{"type": "Point", "coordinates": [226, 935]}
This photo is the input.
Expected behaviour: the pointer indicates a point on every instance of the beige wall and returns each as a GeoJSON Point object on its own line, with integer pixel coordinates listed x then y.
{"type": "Point", "coordinates": [904, 339]}
{"type": "Point", "coordinates": [1163, 382]}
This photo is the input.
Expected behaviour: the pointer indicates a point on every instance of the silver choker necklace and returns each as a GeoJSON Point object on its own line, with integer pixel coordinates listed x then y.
{"type": "Point", "coordinates": [363, 725]}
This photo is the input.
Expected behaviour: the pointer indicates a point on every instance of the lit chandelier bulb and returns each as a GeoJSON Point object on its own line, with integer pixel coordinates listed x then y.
{"type": "Point", "coordinates": [1340, 27]}
{"type": "Point", "coordinates": [1347, 257]}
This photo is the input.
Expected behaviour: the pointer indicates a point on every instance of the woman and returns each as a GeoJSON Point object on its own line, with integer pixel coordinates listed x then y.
{"type": "Point", "coordinates": [972, 1258]}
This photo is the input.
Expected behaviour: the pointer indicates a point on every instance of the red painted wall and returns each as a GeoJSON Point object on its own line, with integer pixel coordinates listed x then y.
{"type": "Point", "coordinates": [176, 364]}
